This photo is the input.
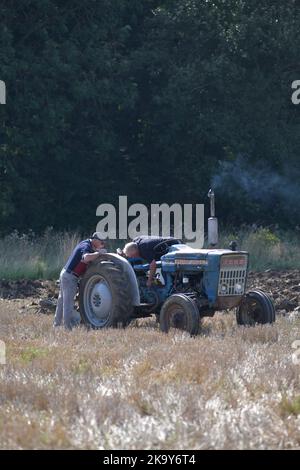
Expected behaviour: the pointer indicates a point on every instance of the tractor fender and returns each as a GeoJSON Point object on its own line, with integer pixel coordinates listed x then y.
{"type": "Point", "coordinates": [128, 270]}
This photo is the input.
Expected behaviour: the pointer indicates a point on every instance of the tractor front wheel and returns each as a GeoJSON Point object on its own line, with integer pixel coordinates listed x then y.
{"type": "Point", "coordinates": [180, 311]}
{"type": "Point", "coordinates": [256, 308]}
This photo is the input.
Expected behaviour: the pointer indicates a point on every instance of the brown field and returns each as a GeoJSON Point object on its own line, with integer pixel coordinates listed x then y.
{"type": "Point", "coordinates": [140, 389]}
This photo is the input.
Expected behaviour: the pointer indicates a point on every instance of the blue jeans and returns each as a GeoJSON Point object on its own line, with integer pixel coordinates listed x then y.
{"type": "Point", "coordinates": [65, 303]}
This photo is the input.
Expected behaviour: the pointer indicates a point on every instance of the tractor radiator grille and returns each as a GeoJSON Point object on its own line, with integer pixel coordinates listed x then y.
{"type": "Point", "coordinates": [234, 279]}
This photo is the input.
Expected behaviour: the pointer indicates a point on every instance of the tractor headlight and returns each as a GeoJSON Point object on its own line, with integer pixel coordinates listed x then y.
{"type": "Point", "coordinates": [223, 288]}
{"type": "Point", "coordinates": [238, 288]}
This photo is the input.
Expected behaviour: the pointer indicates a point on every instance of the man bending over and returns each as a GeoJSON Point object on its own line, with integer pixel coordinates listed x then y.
{"type": "Point", "coordinates": [150, 249]}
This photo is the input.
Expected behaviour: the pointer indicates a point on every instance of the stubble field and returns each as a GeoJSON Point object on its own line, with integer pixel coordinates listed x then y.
{"type": "Point", "coordinates": [229, 388]}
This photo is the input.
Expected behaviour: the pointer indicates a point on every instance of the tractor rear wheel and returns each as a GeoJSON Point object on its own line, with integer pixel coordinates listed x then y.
{"type": "Point", "coordinates": [104, 298]}
{"type": "Point", "coordinates": [180, 311]}
{"type": "Point", "coordinates": [256, 308]}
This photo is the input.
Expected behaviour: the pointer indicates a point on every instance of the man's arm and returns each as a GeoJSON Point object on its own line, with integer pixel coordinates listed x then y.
{"type": "Point", "coordinates": [89, 257]}
{"type": "Point", "coordinates": [152, 271]}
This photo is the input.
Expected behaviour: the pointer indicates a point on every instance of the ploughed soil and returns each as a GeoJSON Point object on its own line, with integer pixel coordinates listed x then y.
{"type": "Point", "coordinates": [26, 288]}
{"type": "Point", "coordinates": [282, 286]}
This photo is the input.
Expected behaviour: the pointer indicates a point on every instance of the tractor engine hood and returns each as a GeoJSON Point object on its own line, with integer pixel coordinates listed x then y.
{"type": "Point", "coordinates": [183, 256]}
{"type": "Point", "coordinates": [186, 252]}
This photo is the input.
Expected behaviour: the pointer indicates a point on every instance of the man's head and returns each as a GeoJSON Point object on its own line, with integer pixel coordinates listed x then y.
{"type": "Point", "coordinates": [98, 241]}
{"type": "Point", "coordinates": [131, 250]}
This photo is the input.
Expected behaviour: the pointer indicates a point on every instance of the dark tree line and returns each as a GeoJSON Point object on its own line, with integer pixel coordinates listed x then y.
{"type": "Point", "coordinates": [148, 98]}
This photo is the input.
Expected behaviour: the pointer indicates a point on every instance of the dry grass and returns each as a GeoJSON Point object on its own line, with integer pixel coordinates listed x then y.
{"type": "Point", "coordinates": [140, 389]}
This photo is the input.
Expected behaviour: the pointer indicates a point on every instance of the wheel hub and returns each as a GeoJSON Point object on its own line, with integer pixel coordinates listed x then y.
{"type": "Point", "coordinates": [98, 300]}
{"type": "Point", "coordinates": [178, 319]}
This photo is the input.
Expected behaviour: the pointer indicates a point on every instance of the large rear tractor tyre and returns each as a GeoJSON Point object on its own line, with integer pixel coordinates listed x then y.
{"type": "Point", "coordinates": [181, 312]}
{"type": "Point", "coordinates": [256, 308]}
{"type": "Point", "coordinates": [104, 297]}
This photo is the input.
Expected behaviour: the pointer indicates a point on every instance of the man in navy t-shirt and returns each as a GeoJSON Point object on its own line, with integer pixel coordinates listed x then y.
{"type": "Point", "coordinates": [149, 248]}
{"type": "Point", "coordinates": [83, 254]}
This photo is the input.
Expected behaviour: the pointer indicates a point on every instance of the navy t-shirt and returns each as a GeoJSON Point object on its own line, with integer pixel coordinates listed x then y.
{"type": "Point", "coordinates": [147, 245]}
{"type": "Point", "coordinates": [81, 249]}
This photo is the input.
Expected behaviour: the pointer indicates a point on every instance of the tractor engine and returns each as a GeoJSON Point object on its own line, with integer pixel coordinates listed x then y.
{"type": "Point", "coordinates": [217, 278]}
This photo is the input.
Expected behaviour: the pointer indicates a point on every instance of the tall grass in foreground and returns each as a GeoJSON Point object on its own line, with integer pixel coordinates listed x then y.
{"type": "Point", "coordinates": [42, 257]}
{"type": "Point", "coordinates": [137, 388]}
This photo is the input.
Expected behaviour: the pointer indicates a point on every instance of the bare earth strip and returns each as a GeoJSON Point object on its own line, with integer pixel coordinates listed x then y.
{"type": "Point", "coordinates": [138, 388]}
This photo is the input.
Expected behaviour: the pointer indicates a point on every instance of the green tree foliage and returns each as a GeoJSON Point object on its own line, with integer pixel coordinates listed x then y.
{"type": "Point", "coordinates": [147, 98]}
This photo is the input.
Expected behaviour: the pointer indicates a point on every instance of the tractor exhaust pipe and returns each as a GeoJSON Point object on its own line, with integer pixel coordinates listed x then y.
{"type": "Point", "coordinates": [213, 235]}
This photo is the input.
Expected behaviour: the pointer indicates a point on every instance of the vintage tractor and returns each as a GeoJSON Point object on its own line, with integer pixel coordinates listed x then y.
{"type": "Point", "coordinates": [191, 284]}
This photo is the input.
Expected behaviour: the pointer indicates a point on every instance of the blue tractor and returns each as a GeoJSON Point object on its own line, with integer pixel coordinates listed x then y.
{"type": "Point", "coordinates": [190, 284]}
